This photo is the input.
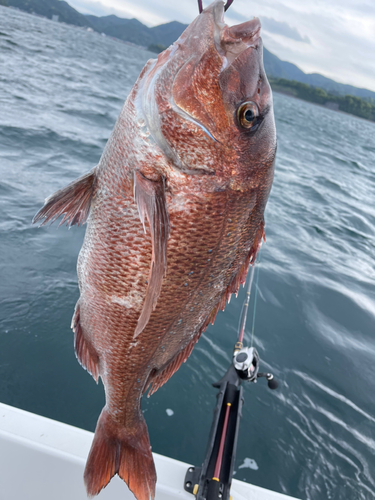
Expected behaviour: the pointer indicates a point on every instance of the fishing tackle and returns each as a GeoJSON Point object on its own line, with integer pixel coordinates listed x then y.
{"type": "Point", "coordinates": [213, 480]}
{"type": "Point", "coordinates": [226, 7]}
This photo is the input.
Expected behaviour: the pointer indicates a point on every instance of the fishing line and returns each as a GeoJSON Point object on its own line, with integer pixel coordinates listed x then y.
{"type": "Point", "coordinates": [255, 298]}
{"type": "Point", "coordinates": [245, 306]}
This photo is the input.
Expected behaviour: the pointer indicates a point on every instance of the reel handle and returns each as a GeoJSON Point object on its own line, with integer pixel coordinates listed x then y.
{"type": "Point", "coordinates": [272, 383]}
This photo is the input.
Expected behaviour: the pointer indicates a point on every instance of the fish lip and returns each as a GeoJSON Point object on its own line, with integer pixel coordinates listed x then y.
{"type": "Point", "coordinates": [242, 35]}
{"type": "Point", "coordinates": [248, 32]}
{"type": "Point", "coordinates": [217, 12]}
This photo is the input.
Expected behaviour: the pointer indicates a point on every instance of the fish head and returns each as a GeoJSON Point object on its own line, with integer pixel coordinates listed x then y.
{"type": "Point", "coordinates": [210, 104]}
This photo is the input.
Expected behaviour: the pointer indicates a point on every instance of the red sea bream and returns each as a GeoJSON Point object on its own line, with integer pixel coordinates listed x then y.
{"type": "Point", "coordinates": [174, 214]}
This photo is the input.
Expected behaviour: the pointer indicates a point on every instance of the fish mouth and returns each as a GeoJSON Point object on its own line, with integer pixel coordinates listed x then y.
{"type": "Point", "coordinates": [248, 32]}
{"type": "Point", "coordinates": [232, 41]}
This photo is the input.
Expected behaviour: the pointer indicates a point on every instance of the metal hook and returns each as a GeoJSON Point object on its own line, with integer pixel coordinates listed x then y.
{"type": "Point", "coordinates": [226, 7]}
{"type": "Point", "coordinates": [228, 4]}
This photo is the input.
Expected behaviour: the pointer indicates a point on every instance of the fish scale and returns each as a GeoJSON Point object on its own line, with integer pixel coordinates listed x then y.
{"type": "Point", "coordinates": [174, 213]}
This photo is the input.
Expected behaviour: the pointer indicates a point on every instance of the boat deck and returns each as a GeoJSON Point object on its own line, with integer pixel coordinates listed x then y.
{"type": "Point", "coordinates": [44, 459]}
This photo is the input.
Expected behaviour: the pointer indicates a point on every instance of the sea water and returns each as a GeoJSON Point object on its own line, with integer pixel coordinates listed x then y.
{"type": "Point", "coordinates": [61, 90]}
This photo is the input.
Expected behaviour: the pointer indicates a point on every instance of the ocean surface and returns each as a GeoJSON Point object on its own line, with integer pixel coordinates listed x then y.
{"type": "Point", "coordinates": [61, 90]}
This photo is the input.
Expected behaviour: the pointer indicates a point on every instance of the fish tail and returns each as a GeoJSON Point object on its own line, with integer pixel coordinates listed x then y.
{"type": "Point", "coordinates": [117, 449]}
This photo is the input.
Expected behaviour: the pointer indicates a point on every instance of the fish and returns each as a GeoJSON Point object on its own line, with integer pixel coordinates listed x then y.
{"type": "Point", "coordinates": [175, 216]}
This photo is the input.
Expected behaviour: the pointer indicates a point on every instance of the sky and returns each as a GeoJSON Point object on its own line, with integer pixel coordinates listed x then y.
{"type": "Point", "coordinates": [335, 38]}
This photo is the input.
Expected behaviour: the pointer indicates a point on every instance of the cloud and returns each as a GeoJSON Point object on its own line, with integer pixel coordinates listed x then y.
{"type": "Point", "coordinates": [334, 51]}
{"type": "Point", "coordinates": [271, 25]}
{"type": "Point", "coordinates": [149, 12]}
{"type": "Point", "coordinates": [341, 33]}
{"type": "Point", "coordinates": [122, 8]}
{"type": "Point", "coordinates": [334, 38]}
{"type": "Point", "coordinates": [284, 29]}
{"type": "Point", "coordinates": [90, 7]}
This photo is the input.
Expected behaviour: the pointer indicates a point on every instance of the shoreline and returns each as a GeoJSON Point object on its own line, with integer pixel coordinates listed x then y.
{"type": "Point", "coordinates": [286, 92]}
{"type": "Point", "coordinates": [290, 94]}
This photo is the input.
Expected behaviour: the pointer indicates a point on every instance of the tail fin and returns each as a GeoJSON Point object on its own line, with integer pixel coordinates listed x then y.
{"type": "Point", "coordinates": [122, 451]}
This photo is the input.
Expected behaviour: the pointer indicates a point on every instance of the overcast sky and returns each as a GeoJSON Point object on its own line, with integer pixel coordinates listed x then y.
{"type": "Point", "coordinates": [335, 38]}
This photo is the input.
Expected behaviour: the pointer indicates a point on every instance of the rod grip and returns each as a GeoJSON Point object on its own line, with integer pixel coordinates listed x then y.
{"type": "Point", "coordinates": [230, 394]}
{"type": "Point", "coordinates": [213, 490]}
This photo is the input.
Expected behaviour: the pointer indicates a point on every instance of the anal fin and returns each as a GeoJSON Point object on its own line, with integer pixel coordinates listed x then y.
{"type": "Point", "coordinates": [73, 201]}
{"type": "Point", "coordinates": [161, 377]}
{"type": "Point", "coordinates": [151, 202]}
{"type": "Point", "coordinates": [85, 353]}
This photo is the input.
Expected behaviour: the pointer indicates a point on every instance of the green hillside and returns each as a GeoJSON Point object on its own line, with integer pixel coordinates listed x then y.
{"type": "Point", "coordinates": [348, 103]}
{"type": "Point", "coordinates": [277, 68]}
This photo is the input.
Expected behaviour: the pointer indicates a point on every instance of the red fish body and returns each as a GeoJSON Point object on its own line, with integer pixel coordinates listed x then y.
{"type": "Point", "coordinates": [175, 214]}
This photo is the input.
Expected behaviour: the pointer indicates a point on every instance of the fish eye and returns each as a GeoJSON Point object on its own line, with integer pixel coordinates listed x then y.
{"type": "Point", "coordinates": [247, 115]}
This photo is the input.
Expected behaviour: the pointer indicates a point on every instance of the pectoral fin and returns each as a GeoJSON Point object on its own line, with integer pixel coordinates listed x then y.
{"type": "Point", "coordinates": [74, 201]}
{"type": "Point", "coordinates": [151, 202]}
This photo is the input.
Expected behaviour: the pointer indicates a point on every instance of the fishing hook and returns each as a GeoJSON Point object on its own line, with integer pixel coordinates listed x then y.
{"type": "Point", "coordinates": [226, 7]}
{"type": "Point", "coordinates": [228, 4]}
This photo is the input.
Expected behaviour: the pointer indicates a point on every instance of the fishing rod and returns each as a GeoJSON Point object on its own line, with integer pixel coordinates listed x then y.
{"type": "Point", "coordinates": [213, 480]}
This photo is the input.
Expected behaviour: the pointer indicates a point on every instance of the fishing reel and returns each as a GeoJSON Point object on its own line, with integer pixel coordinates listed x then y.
{"type": "Point", "coordinates": [246, 363]}
{"type": "Point", "coordinates": [213, 480]}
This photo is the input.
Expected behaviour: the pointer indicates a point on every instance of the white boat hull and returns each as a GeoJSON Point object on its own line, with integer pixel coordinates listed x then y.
{"type": "Point", "coordinates": [42, 459]}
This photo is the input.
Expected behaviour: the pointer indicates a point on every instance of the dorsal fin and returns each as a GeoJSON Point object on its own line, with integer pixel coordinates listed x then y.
{"type": "Point", "coordinates": [160, 377]}
{"type": "Point", "coordinates": [150, 198]}
{"type": "Point", "coordinates": [74, 200]}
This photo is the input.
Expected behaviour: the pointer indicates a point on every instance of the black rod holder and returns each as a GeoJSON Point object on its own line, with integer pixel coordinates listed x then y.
{"type": "Point", "coordinates": [202, 481]}
{"type": "Point", "coordinates": [213, 480]}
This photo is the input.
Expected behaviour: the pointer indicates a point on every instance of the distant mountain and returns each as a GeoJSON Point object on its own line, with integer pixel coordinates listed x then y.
{"type": "Point", "coordinates": [166, 34]}
{"type": "Point", "coordinates": [348, 103]}
{"type": "Point", "coordinates": [129, 30]}
{"type": "Point", "coordinates": [281, 69]}
{"type": "Point", "coordinates": [132, 30]}
{"type": "Point", "coordinates": [49, 8]}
